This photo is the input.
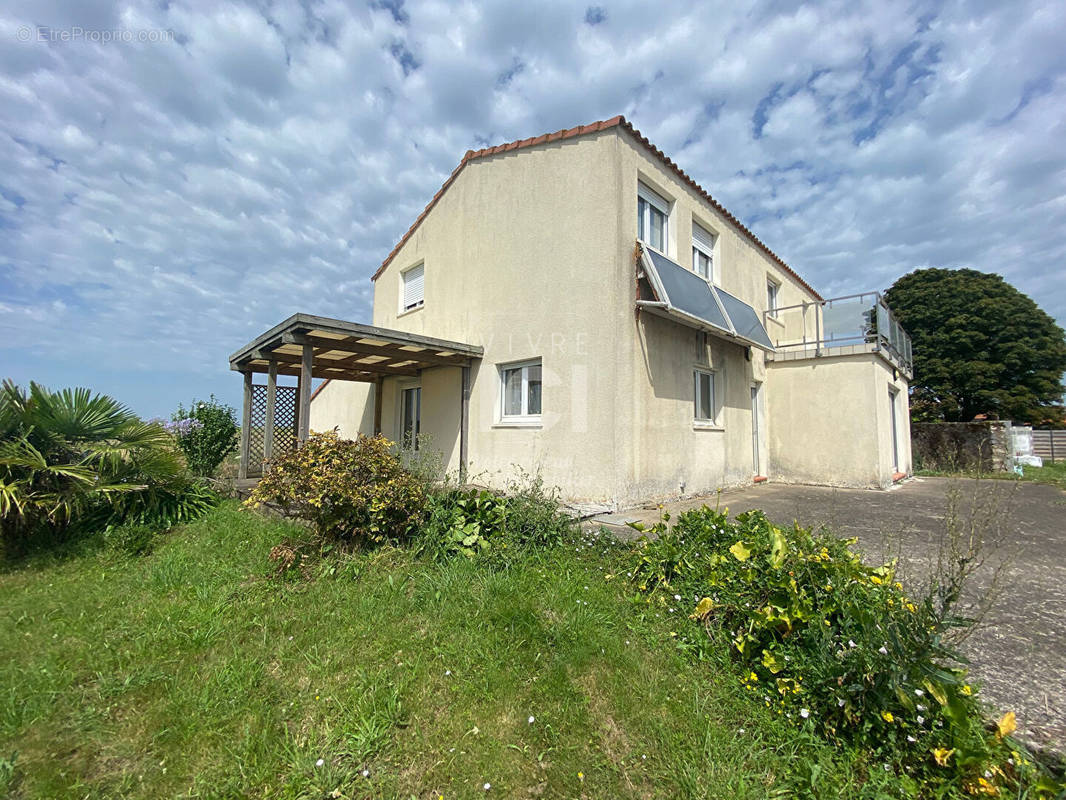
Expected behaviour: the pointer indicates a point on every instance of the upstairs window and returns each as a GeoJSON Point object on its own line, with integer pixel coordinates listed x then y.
{"type": "Point", "coordinates": [521, 387]}
{"type": "Point", "coordinates": [653, 218]}
{"type": "Point", "coordinates": [771, 296]}
{"type": "Point", "coordinates": [702, 252]}
{"type": "Point", "coordinates": [413, 289]}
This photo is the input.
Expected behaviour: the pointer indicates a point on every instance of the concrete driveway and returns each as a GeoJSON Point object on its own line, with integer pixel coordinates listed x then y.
{"type": "Point", "coordinates": [1019, 653]}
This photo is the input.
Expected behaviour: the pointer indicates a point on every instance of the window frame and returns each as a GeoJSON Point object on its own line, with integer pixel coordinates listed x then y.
{"type": "Point", "coordinates": [712, 375]}
{"type": "Point", "coordinates": [699, 248]}
{"type": "Point", "coordinates": [524, 418]}
{"type": "Point", "coordinates": [403, 307]}
{"type": "Point", "coordinates": [652, 200]}
{"type": "Point", "coordinates": [773, 292]}
{"type": "Point", "coordinates": [409, 443]}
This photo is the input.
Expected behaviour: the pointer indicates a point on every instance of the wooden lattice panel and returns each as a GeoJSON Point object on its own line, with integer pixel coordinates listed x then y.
{"type": "Point", "coordinates": [286, 401]}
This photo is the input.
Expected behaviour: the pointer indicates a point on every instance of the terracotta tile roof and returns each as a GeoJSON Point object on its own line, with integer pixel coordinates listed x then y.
{"type": "Point", "coordinates": [614, 122]}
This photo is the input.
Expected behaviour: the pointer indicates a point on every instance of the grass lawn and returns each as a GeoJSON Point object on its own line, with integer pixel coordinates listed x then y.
{"type": "Point", "coordinates": [1053, 474]}
{"type": "Point", "coordinates": [190, 672]}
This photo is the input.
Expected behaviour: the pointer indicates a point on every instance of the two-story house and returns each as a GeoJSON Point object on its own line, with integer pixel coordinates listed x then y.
{"type": "Point", "coordinates": [576, 305]}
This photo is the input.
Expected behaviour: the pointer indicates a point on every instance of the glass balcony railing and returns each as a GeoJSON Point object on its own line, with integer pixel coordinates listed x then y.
{"type": "Point", "coordinates": [829, 326]}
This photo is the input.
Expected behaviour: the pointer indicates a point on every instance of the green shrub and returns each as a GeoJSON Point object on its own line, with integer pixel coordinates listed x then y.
{"type": "Point", "coordinates": [72, 460]}
{"type": "Point", "coordinates": [355, 491]}
{"type": "Point", "coordinates": [461, 521]}
{"type": "Point", "coordinates": [206, 432]}
{"type": "Point", "coordinates": [478, 522]}
{"type": "Point", "coordinates": [833, 645]}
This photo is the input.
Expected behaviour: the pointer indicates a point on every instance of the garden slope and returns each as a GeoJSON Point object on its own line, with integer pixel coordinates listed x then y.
{"type": "Point", "coordinates": [190, 672]}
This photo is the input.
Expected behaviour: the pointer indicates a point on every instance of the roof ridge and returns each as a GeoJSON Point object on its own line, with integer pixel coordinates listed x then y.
{"type": "Point", "coordinates": [568, 133]}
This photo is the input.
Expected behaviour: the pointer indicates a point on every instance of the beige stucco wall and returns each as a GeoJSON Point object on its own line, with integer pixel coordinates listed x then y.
{"type": "Point", "coordinates": [666, 448]}
{"type": "Point", "coordinates": [346, 405]}
{"type": "Point", "coordinates": [519, 259]}
{"type": "Point", "coordinates": [829, 421]}
{"type": "Point", "coordinates": [530, 254]}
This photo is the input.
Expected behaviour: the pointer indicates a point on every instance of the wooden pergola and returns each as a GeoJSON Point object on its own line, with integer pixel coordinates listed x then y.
{"type": "Point", "coordinates": [308, 346]}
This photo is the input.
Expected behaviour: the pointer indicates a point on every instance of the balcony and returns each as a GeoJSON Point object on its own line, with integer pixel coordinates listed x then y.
{"type": "Point", "coordinates": [858, 323]}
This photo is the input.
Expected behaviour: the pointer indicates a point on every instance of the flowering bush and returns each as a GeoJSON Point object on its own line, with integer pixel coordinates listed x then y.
{"type": "Point", "coordinates": [834, 645]}
{"type": "Point", "coordinates": [354, 491]}
{"type": "Point", "coordinates": [206, 433]}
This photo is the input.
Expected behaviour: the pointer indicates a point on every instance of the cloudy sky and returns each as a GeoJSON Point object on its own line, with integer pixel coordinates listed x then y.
{"type": "Point", "coordinates": [164, 198]}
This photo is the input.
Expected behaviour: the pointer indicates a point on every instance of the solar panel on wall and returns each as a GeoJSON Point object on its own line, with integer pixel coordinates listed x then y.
{"type": "Point", "coordinates": [686, 291]}
{"type": "Point", "coordinates": [745, 319]}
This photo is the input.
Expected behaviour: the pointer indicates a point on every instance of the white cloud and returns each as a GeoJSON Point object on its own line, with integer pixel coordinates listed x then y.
{"type": "Point", "coordinates": [162, 202]}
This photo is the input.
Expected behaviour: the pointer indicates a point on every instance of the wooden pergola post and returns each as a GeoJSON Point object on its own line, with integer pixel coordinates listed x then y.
{"type": "Point", "coordinates": [272, 394]}
{"type": "Point", "coordinates": [379, 384]}
{"type": "Point", "coordinates": [464, 423]}
{"type": "Point", "coordinates": [306, 361]}
{"type": "Point", "coordinates": [246, 425]}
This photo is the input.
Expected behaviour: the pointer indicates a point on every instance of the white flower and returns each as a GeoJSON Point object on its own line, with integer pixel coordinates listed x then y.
{"type": "Point", "coordinates": [677, 597]}
{"type": "Point", "coordinates": [882, 650]}
{"type": "Point", "coordinates": [919, 692]}
{"type": "Point", "coordinates": [851, 643]}
{"type": "Point", "coordinates": [921, 719]}
{"type": "Point", "coordinates": [366, 773]}
{"type": "Point", "coordinates": [804, 713]}
{"type": "Point", "coordinates": [840, 702]}
{"type": "Point", "coordinates": [911, 739]}
{"type": "Point", "coordinates": [487, 786]}
{"type": "Point", "coordinates": [532, 719]}
{"type": "Point", "coordinates": [920, 707]}
{"type": "Point", "coordinates": [320, 762]}
{"type": "Point", "coordinates": [741, 731]}
{"type": "Point", "coordinates": [447, 672]}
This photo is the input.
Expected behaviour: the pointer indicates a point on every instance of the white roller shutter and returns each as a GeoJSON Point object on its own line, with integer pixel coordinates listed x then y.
{"type": "Point", "coordinates": [702, 239]}
{"type": "Point", "coordinates": [414, 287]}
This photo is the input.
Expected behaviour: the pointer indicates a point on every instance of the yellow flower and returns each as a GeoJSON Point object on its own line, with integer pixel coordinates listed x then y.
{"type": "Point", "coordinates": [911, 607]}
{"type": "Point", "coordinates": [966, 689]}
{"type": "Point", "coordinates": [887, 716]}
{"type": "Point", "coordinates": [942, 755]}
{"type": "Point", "coordinates": [581, 776]}
{"type": "Point", "coordinates": [1007, 725]}
{"type": "Point", "coordinates": [875, 580]}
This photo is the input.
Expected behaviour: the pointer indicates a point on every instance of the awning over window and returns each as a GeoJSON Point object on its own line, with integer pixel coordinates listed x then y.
{"type": "Point", "coordinates": [685, 296]}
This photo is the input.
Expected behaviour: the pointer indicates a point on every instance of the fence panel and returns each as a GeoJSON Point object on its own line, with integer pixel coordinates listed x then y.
{"type": "Point", "coordinates": [1050, 445]}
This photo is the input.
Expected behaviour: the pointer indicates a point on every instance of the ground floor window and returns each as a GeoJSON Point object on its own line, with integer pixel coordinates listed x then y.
{"type": "Point", "coordinates": [411, 417]}
{"type": "Point", "coordinates": [521, 391]}
{"type": "Point", "coordinates": [704, 389]}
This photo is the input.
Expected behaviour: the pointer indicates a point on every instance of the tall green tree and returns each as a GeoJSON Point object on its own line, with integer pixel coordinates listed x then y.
{"type": "Point", "coordinates": [980, 347]}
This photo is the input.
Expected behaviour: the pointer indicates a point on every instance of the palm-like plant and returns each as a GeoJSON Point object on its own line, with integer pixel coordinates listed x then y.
{"type": "Point", "coordinates": [73, 457]}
